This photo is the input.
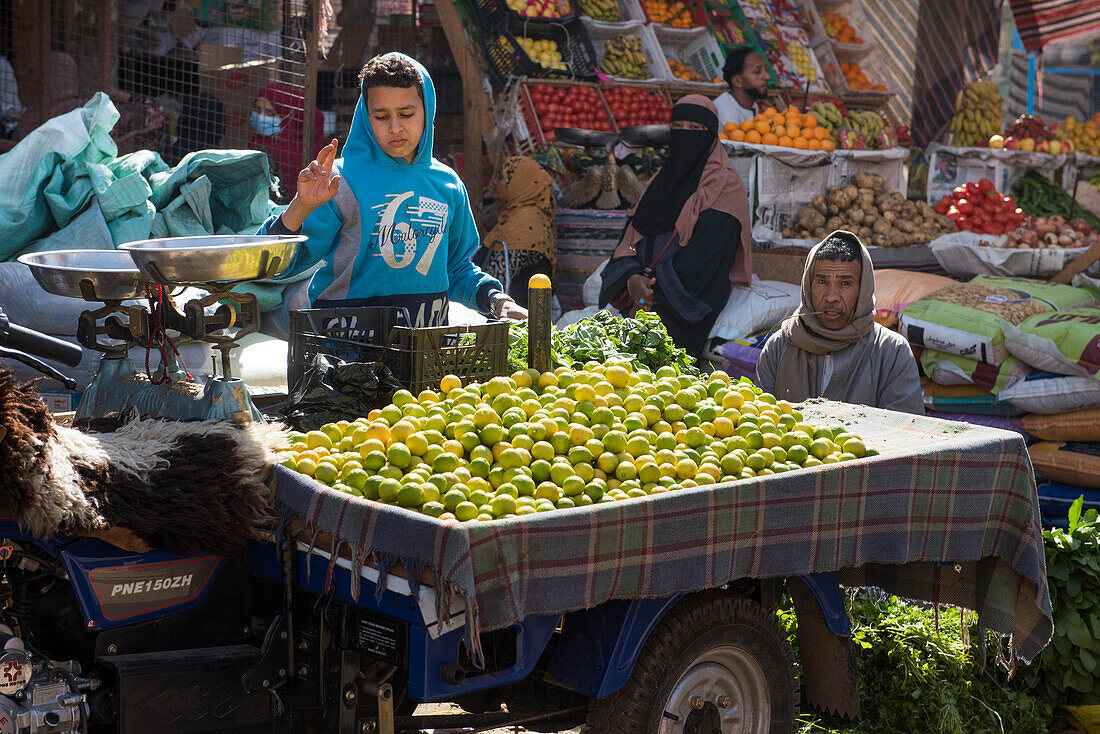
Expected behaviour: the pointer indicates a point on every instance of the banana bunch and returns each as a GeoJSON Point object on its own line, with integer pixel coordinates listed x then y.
{"type": "Point", "coordinates": [606, 10]}
{"type": "Point", "coordinates": [868, 123]}
{"type": "Point", "coordinates": [828, 117]}
{"type": "Point", "coordinates": [544, 51]}
{"type": "Point", "coordinates": [623, 57]}
{"type": "Point", "coordinates": [979, 113]}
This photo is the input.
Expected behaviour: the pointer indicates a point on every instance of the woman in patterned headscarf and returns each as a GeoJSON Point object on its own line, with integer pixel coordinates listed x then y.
{"type": "Point", "coordinates": [525, 226]}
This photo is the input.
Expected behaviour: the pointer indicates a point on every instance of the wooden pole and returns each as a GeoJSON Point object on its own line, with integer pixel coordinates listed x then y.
{"type": "Point", "coordinates": [538, 323]}
{"type": "Point", "coordinates": [106, 43]}
{"type": "Point", "coordinates": [476, 121]}
{"type": "Point", "coordinates": [310, 82]}
{"type": "Point", "coordinates": [31, 55]}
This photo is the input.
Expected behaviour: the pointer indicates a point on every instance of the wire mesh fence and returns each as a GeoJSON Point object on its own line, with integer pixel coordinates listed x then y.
{"type": "Point", "coordinates": [184, 75]}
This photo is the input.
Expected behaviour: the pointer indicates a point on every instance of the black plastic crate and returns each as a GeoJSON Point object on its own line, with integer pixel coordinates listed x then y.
{"type": "Point", "coordinates": [418, 357]}
{"type": "Point", "coordinates": [507, 58]}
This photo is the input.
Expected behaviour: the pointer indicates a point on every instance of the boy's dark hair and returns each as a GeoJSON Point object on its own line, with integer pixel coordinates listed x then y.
{"type": "Point", "coordinates": [840, 245]}
{"type": "Point", "coordinates": [390, 70]}
{"type": "Point", "coordinates": [735, 62]}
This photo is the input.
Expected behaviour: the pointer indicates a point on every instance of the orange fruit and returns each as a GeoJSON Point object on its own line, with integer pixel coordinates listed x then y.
{"type": "Point", "coordinates": [814, 144]}
{"type": "Point", "coordinates": [793, 131]}
{"type": "Point", "coordinates": [770, 139]}
{"type": "Point", "coordinates": [808, 133]}
{"type": "Point", "coordinates": [801, 143]}
{"type": "Point", "coordinates": [786, 142]}
{"type": "Point", "coordinates": [828, 145]}
{"type": "Point", "coordinates": [809, 121]}
{"type": "Point", "coordinates": [738, 135]}
{"type": "Point", "coordinates": [762, 127]}
{"type": "Point", "coordinates": [745, 126]}
{"type": "Point", "coordinates": [729, 127]}
{"type": "Point", "coordinates": [821, 133]}
{"type": "Point", "coordinates": [771, 112]}
{"type": "Point", "coordinates": [752, 136]}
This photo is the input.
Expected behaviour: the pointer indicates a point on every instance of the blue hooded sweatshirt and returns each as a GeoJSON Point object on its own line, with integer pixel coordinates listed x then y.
{"type": "Point", "coordinates": [397, 233]}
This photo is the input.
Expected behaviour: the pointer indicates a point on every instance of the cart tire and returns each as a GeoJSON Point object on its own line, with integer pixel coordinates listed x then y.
{"type": "Point", "coordinates": [710, 645]}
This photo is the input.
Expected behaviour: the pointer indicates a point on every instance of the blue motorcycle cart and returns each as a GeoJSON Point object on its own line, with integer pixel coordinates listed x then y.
{"type": "Point", "coordinates": [650, 615]}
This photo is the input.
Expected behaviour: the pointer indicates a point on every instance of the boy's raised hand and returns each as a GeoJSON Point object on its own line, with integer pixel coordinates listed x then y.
{"type": "Point", "coordinates": [317, 182]}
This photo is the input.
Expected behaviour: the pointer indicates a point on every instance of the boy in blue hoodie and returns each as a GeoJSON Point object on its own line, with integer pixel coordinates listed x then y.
{"type": "Point", "coordinates": [400, 232]}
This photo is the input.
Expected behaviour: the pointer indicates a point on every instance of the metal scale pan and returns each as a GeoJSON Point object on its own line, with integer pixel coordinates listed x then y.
{"type": "Point", "coordinates": [94, 275]}
{"type": "Point", "coordinates": [213, 259]}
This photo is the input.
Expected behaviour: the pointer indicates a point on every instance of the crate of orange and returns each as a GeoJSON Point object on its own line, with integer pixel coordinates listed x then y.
{"type": "Point", "coordinates": [675, 14]}
{"type": "Point", "coordinates": [788, 129]}
{"type": "Point", "coordinates": [862, 75]}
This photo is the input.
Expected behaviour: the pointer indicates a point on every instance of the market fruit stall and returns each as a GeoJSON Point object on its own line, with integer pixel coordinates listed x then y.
{"type": "Point", "coordinates": [938, 492]}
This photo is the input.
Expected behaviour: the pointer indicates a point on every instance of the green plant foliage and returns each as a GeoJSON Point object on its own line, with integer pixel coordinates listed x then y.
{"type": "Point", "coordinates": [917, 676]}
{"type": "Point", "coordinates": [1067, 671]}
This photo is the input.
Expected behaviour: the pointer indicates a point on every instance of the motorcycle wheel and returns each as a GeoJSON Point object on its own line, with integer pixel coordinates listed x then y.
{"type": "Point", "coordinates": [717, 663]}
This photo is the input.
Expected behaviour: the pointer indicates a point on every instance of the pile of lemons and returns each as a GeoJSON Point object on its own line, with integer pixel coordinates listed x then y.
{"type": "Point", "coordinates": [536, 442]}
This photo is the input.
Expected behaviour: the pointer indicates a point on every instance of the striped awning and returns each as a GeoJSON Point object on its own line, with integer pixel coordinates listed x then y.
{"type": "Point", "coordinates": [931, 49]}
{"type": "Point", "coordinates": [1042, 21]}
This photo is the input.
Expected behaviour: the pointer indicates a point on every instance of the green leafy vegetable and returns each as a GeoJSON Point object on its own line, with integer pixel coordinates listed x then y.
{"type": "Point", "coordinates": [919, 674]}
{"type": "Point", "coordinates": [643, 340]}
{"type": "Point", "coordinates": [1067, 671]}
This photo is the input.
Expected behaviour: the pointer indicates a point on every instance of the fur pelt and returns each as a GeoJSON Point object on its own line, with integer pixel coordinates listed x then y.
{"type": "Point", "coordinates": [192, 487]}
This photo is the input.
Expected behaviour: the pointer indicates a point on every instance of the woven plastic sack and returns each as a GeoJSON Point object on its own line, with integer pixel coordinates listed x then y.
{"type": "Point", "coordinates": [1075, 463]}
{"type": "Point", "coordinates": [755, 307]}
{"type": "Point", "coordinates": [968, 319]}
{"type": "Point", "coordinates": [1072, 425]}
{"type": "Point", "coordinates": [1048, 393]}
{"type": "Point", "coordinates": [951, 369]}
{"type": "Point", "coordinates": [896, 289]}
{"type": "Point", "coordinates": [1066, 342]}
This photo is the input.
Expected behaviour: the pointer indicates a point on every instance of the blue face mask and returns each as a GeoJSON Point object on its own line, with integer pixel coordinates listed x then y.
{"type": "Point", "coordinates": [266, 125]}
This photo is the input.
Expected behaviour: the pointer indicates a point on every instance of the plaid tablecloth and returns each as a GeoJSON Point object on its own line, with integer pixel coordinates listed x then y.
{"type": "Point", "coordinates": [947, 513]}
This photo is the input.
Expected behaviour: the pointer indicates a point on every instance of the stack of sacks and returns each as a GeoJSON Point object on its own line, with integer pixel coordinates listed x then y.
{"type": "Point", "coordinates": [959, 334]}
{"type": "Point", "coordinates": [1065, 397]}
{"type": "Point", "coordinates": [1067, 454]}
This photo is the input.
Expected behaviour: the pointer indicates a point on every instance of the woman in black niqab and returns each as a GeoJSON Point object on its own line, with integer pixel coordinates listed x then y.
{"type": "Point", "coordinates": [685, 241]}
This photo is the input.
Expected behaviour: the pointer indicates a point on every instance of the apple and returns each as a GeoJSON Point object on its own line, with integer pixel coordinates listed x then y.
{"type": "Point", "coordinates": [1055, 147]}
{"type": "Point", "coordinates": [1027, 144]}
{"type": "Point", "coordinates": [1011, 143]}
{"type": "Point", "coordinates": [996, 141]}
{"type": "Point", "coordinates": [1042, 146]}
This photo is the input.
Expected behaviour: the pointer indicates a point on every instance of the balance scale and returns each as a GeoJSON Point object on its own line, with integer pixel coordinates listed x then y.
{"type": "Point", "coordinates": [213, 263]}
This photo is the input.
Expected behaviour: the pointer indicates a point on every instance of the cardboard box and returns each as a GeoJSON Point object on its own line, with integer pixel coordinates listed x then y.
{"type": "Point", "coordinates": [236, 83]}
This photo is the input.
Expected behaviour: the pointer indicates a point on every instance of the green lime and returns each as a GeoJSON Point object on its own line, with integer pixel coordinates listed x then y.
{"type": "Point", "coordinates": [411, 495]}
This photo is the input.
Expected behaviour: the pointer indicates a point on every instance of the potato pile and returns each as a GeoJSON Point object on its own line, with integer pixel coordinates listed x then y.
{"type": "Point", "coordinates": [877, 215]}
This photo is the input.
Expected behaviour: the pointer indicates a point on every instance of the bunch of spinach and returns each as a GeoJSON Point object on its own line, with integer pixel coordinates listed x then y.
{"type": "Point", "coordinates": [517, 349]}
{"type": "Point", "coordinates": [1067, 671]}
{"type": "Point", "coordinates": [642, 340]}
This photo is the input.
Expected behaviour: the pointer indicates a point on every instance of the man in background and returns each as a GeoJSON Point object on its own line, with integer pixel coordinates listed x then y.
{"type": "Point", "coordinates": [746, 73]}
